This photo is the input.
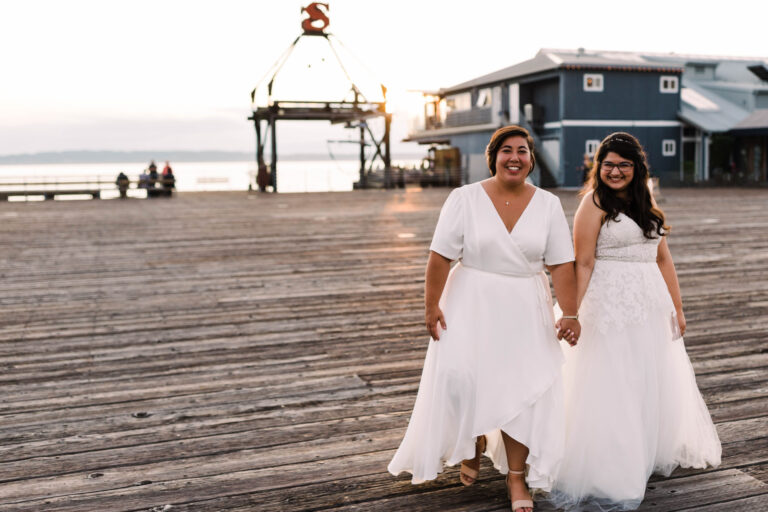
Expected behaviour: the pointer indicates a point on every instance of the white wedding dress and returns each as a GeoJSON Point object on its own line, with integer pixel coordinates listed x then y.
{"type": "Point", "coordinates": [632, 404]}
{"type": "Point", "coordinates": [498, 364]}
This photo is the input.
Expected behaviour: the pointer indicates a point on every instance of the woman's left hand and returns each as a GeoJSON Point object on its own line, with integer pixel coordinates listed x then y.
{"type": "Point", "coordinates": [568, 329]}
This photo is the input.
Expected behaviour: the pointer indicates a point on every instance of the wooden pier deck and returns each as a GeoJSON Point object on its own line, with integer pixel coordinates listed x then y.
{"type": "Point", "coordinates": [227, 352]}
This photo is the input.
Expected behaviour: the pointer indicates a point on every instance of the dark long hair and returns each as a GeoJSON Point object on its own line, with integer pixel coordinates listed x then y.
{"type": "Point", "coordinates": [637, 205]}
{"type": "Point", "coordinates": [498, 137]}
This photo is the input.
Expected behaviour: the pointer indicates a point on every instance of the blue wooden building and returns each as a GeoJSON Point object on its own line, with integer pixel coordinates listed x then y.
{"type": "Point", "coordinates": [570, 100]}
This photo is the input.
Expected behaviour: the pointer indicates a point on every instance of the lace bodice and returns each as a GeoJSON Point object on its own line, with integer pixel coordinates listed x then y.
{"type": "Point", "coordinates": [626, 282]}
{"type": "Point", "coordinates": [623, 240]}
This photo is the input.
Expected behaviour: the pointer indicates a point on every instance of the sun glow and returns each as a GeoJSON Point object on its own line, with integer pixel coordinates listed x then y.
{"type": "Point", "coordinates": [403, 101]}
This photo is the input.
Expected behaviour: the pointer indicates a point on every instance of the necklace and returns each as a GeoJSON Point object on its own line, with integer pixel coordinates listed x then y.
{"type": "Point", "coordinates": [506, 203]}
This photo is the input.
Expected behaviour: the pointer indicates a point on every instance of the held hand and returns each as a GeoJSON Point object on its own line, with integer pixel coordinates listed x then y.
{"type": "Point", "coordinates": [681, 321]}
{"type": "Point", "coordinates": [433, 316]}
{"type": "Point", "coordinates": [568, 330]}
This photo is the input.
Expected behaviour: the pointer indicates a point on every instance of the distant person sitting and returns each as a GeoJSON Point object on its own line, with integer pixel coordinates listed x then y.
{"type": "Point", "coordinates": [152, 179]}
{"type": "Point", "coordinates": [167, 169]}
{"type": "Point", "coordinates": [169, 181]}
{"type": "Point", "coordinates": [152, 166]}
{"type": "Point", "coordinates": [144, 179]}
{"type": "Point", "coordinates": [122, 183]}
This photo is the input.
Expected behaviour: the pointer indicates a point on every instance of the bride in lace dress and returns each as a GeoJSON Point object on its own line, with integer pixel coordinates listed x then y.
{"type": "Point", "coordinates": [632, 404]}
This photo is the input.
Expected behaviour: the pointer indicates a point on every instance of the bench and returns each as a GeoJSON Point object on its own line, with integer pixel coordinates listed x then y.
{"type": "Point", "coordinates": [159, 192]}
{"type": "Point", "coordinates": [50, 193]}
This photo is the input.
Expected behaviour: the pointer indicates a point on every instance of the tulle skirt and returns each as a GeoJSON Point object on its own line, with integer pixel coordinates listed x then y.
{"type": "Point", "coordinates": [632, 404]}
{"type": "Point", "coordinates": [496, 367]}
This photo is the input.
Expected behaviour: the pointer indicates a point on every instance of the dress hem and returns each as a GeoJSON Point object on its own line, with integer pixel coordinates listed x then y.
{"type": "Point", "coordinates": [534, 453]}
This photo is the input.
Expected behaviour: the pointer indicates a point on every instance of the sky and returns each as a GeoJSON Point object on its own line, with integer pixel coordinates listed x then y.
{"type": "Point", "coordinates": [177, 74]}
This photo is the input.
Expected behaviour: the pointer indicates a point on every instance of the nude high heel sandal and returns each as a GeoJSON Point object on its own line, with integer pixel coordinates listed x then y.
{"type": "Point", "coordinates": [468, 475]}
{"type": "Point", "coordinates": [518, 504]}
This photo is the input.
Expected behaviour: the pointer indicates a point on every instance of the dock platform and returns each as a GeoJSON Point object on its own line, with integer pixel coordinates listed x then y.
{"type": "Point", "coordinates": [235, 352]}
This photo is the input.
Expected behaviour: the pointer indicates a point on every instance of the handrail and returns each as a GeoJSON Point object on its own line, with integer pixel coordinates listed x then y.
{"type": "Point", "coordinates": [47, 181]}
{"type": "Point", "coordinates": [547, 165]}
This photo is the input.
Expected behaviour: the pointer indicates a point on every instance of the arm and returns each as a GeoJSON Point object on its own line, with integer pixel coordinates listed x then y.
{"type": "Point", "coordinates": [564, 281]}
{"type": "Point", "coordinates": [437, 273]}
{"type": "Point", "coordinates": [667, 268]}
{"type": "Point", "coordinates": [586, 227]}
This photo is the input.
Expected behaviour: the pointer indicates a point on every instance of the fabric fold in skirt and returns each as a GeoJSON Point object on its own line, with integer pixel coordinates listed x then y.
{"type": "Point", "coordinates": [496, 367]}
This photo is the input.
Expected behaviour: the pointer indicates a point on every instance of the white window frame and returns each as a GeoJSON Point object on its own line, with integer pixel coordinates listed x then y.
{"type": "Point", "coordinates": [590, 147]}
{"type": "Point", "coordinates": [668, 147]}
{"type": "Point", "coordinates": [484, 98]}
{"type": "Point", "coordinates": [673, 85]}
{"type": "Point", "coordinates": [597, 82]}
{"type": "Point", "coordinates": [458, 102]}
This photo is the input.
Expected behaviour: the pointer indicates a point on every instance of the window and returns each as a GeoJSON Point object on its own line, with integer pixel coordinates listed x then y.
{"type": "Point", "coordinates": [591, 147]}
{"type": "Point", "coordinates": [593, 82]}
{"type": "Point", "coordinates": [483, 98]}
{"type": "Point", "coordinates": [668, 147]}
{"type": "Point", "coordinates": [668, 84]}
{"type": "Point", "coordinates": [461, 101]}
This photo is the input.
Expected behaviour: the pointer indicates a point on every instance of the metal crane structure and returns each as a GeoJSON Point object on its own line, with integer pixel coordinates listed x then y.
{"type": "Point", "coordinates": [350, 104]}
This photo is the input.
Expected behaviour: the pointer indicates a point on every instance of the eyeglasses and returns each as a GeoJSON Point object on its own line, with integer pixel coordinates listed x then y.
{"type": "Point", "coordinates": [623, 166]}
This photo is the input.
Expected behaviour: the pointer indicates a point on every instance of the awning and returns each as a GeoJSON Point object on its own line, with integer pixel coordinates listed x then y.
{"type": "Point", "coordinates": [707, 110]}
{"type": "Point", "coordinates": [443, 135]}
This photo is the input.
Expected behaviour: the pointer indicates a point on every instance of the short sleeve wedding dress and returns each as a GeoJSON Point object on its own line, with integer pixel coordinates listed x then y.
{"type": "Point", "coordinates": [497, 366]}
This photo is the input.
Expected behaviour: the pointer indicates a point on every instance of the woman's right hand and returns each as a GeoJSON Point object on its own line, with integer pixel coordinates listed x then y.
{"type": "Point", "coordinates": [433, 315]}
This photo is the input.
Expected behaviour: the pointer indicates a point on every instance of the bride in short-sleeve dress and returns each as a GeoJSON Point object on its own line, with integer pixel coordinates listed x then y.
{"type": "Point", "coordinates": [497, 366]}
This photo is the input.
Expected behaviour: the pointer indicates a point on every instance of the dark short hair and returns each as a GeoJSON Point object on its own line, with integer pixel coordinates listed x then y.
{"type": "Point", "coordinates": [499, 136]}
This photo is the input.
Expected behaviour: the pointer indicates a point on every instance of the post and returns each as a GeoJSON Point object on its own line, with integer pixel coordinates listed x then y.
{"type": "Point", "coordinates": [705, 144]}
{"type": "Point", "coordinates": [273, 170]}
{"type": "Point", "coordinates": [388, 181]}
{"type": "Point", "coordinates": [363, 177]}
{"type": "Point", "coordinates": [259, 149]}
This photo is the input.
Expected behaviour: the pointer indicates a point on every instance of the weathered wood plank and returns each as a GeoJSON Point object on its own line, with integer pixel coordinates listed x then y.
{"type": "Point", "coordinates": [275, 345]}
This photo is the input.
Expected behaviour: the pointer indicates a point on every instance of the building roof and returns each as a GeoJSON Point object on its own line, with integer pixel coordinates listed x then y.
{"type": "Point", "coordinates": [537, 64]}
{"type": "Point", "coordinates": [727, 68]}
{"type": "Point", "coordinates": [701, 104]}
{"type": "Point", "coordinates": [755, 123]}
{"type": "Point", "coordinates": [552, 59]}
{"type": "Point", "coordinates": [707, 110]}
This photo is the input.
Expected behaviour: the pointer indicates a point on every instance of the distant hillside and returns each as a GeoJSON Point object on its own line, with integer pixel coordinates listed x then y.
{"type": "Point", "coordinates": [80, 157]}
{"type": "Point", "coordinates": [84, 157]}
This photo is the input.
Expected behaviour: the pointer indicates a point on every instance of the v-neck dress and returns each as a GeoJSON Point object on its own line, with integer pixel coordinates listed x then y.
{"type": "Point", "coordinates": [497, 366]}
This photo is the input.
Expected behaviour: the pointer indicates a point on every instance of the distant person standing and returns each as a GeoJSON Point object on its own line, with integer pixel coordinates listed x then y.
{"type": "Point", "coordinates": [167, 177]}
{"type": "Point", "coordinates": [122, 183]}
{"type": "Point", "coordinates": [262, 177]}
{"type": "Point", "coordinates": [586, 167]}
{"type": "Point", "coordinates": [152, 167]}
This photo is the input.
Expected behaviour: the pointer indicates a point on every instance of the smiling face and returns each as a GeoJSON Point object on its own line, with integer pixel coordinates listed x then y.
{"type": "Point", "coordinates": [616, 171]}
{"type": "Point", "coordinates": [513, 161]}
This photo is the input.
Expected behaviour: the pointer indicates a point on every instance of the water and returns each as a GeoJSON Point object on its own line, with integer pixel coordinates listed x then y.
{"type": "Point", "coordinates": [292, 175]}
